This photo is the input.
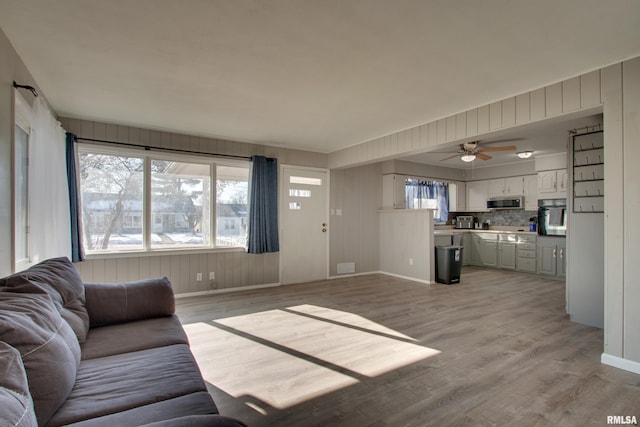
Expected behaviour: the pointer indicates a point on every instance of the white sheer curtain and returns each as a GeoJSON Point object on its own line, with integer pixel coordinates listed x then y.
{"type": "Point", "coordinates": [48, 189]}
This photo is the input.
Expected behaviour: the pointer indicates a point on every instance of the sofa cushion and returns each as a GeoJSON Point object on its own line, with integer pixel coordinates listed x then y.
{"type": "Point", "coordinates": [59, 278]}
{"type": "Point", "coordinates": [111, 384]}
{"type": "Point", "coordinates": [49, 349]}
{"type": "Point", "coordinates": [112, 303]}
{"type": "Point", "coordinates": [199, 403]}
{"type": "Point", "coordinates": [133, 336]}
{"type": "Point", "coordinates": [15, 401]}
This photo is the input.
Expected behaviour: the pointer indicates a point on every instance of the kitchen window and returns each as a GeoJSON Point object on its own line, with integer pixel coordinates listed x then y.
{"type": "Point", "coordinates": [133, 202]}
{"type": "Point", "coordinates": [421, 194]}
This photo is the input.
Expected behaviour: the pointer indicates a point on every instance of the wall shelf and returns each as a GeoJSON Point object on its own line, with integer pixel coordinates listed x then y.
{"type": "Point", "coordinates": [588, 174]}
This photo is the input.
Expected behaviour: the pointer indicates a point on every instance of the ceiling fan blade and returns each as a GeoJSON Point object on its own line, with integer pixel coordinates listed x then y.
{"type": "Point", "coordinates": [483, 156]}
{"type": "Point", "coordinates": [450, 157]}
{"type": "Point", "coordinates": [489, 149]}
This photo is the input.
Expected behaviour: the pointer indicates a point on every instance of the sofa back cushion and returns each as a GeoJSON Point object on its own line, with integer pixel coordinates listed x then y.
{"type": "Point", "coordinates": [16, 406]}
{"type": "Point", "coordinates": [59, 278]}
{"type": "Point", "coordinates": [49, 349]}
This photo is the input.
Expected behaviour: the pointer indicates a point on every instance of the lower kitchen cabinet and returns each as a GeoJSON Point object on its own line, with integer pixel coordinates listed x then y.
{"type": "Point", "coordinates": [552, 256]}
{"type": "Point", "coordinates": [471, 251]}
{"type": "Point", "coordinates": [507, 251]}
{"type": "Point", "coordinates": [526, 253]}
{"type": "Point", "coordinates": [488, 249]}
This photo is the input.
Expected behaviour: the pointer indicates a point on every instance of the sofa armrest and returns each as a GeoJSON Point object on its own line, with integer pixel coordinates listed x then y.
{"type": "Point", "coordinates": [110, 303]}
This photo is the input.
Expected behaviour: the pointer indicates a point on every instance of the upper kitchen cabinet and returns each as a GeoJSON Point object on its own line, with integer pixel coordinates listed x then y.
{"type": "Point", "coordinates": [457, 197]}
{"type": "Point", "coordinates": [553, 184]}
{"type": "Point", "coordinates": [514, 186]}
{"type": "Point", "coordinates": [496, 188]}
{"type": "Point", "coordinates": [530, 183]}
{"type": "Point", "coordinates": [501, 187]}
{"type": "Point", "coordinates": [393, 192]}
{"type": "Point", "coordinates": [477, 192]}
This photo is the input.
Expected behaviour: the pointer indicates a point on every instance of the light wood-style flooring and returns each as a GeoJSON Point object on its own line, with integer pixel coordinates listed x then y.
{"type": "Point", "coordinates": [496, 349]}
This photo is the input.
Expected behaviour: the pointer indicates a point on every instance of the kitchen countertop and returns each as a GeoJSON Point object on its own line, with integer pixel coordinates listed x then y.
{"type": "Point", "coordinates": [500, 230]}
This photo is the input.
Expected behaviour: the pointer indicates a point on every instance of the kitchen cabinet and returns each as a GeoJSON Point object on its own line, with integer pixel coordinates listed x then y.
{"type": "Point", "coordinates": [457, 197]}
{"type": "Point", "coordinates": [551, 256]}
{"type": "Point", "coordinates": [471, 251]}
{"type": "Point", "coordinates": [393, 191]}
{"type": "Point", "coordinates": [477, 195]}
{"type": "Point", "coordinates": [488, 249]}
{"type": "Point", "coordinates": [514, 186]}
{"type": "Point", "coordinates": [530, 184]}
{"type": "Point", "coordinates": [547, 182]}
{"type": "Point", "coordinates": [501, 187]}
{"type": "Point", "coordinates": [526, 253]}
{"type": "Point", "coordinates": [496, 187]}
{"type": "Point", "coordinates": [507, 251]}
{"type": "Point", "coordinates": [553, 184]}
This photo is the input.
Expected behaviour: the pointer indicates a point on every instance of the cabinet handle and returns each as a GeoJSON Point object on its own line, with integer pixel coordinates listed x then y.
{"type": "Point", "coordinates": [561, 253]}
{"type": "Point", "coordinates": [554, 252]}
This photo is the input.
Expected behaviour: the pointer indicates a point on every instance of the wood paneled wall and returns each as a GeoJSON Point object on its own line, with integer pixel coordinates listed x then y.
{"type": "Point", "coordinates": [354, 235]}
{"type": "Point", "coordinates": [233, 268]}
{"type": "Point", "coordinates": [569, 96]}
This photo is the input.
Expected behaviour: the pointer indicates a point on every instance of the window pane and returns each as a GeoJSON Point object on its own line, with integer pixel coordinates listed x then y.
{"type": "Point", "coordinates": [231, 205]}
{"type": "Point", "coordinates": [180, 204]}
{"type": "Point", "coordinates": [22, 195]}
{"type": "Point", "coordinates": [111, 201]}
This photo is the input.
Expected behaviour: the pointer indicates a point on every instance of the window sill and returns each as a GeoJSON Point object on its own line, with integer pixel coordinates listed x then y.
{"type": "Point", "coordinates": [161, 252]}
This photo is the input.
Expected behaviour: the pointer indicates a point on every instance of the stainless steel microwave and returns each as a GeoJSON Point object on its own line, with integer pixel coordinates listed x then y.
{"type": "Point", "coordinates": [505, 203]}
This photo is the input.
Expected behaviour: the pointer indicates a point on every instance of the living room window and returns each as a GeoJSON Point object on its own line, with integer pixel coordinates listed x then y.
{"type": "Point", "coordinates": [21, 181]}
{"type": "Point", "coordinates": [146, 202]}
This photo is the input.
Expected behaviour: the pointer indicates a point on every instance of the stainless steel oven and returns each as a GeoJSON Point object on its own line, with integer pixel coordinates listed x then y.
{"type": "Point", "coordinates": [552, 217]}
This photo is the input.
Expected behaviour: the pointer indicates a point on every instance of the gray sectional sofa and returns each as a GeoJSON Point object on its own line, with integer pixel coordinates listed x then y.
{"type": "Point", "coordinates": [82, 354]}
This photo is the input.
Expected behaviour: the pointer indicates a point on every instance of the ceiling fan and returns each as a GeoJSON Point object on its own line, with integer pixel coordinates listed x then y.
{"type": "Point", "coordinates": [470, 150]}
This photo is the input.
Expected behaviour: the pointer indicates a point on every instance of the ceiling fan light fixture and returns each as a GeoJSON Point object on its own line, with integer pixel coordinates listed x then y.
{"type": "Point", "coordinates": [525, 154]}
{"type": "Point", "coordinates": [468, 157]}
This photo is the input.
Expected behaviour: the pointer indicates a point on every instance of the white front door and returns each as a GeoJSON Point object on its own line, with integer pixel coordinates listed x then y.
{"type": "Point", "coordinates": [304, 228]}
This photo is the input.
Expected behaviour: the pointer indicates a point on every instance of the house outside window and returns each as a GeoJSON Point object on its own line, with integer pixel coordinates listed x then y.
{"type": "Point", "coordinates": [145, 202]}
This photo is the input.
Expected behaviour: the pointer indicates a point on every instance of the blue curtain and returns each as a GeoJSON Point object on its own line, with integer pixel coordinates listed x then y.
{"type": "Point", "coordinates": [77, 251]}
{"type": "Point", "coordinates": [428, 194]}
{"type": "Point", "coordinates": [263, 206]}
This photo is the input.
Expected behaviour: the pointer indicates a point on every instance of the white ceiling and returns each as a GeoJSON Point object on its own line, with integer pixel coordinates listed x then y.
{"type": "Point", "coordinates": [313, 75]}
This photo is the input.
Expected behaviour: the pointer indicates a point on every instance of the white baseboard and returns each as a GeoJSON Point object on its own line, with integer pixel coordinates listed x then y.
{"type": "Point", "coordinates": [413, 279]}
{"type": "Point", "coordinates": [226, 290]}
{"type": "Point", "coordinates": [620, 363]}
{"type": "Point", "coordinates": [342, 276]}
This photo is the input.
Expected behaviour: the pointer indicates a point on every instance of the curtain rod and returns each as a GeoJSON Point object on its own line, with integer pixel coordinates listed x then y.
{"type": "Point", "coordinates": [33, 91]}
{"type": "Point", "coordinates": [172, 150]}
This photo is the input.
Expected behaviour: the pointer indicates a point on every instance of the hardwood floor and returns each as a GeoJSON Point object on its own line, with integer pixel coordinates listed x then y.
{"type": "Point", "coordinates": [495, 349]}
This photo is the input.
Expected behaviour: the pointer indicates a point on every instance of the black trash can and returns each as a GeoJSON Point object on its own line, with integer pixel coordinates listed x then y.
{"type": "Point", "coordinates": [448, 264]}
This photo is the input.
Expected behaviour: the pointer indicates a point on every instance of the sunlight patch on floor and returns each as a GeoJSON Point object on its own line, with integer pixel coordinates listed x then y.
{"type": "Point", "coordinates": [246, 369]}
{"type": "Point", "coordinates": [279, 358]}
{"type": "Point", "coordinates": [347, 318]}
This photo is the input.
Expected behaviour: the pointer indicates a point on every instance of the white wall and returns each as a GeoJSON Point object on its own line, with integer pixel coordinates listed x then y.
{"type": "Point", "coordinates": [406, 247]}
{"type": "Point", "coordinates": [356, 194]}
